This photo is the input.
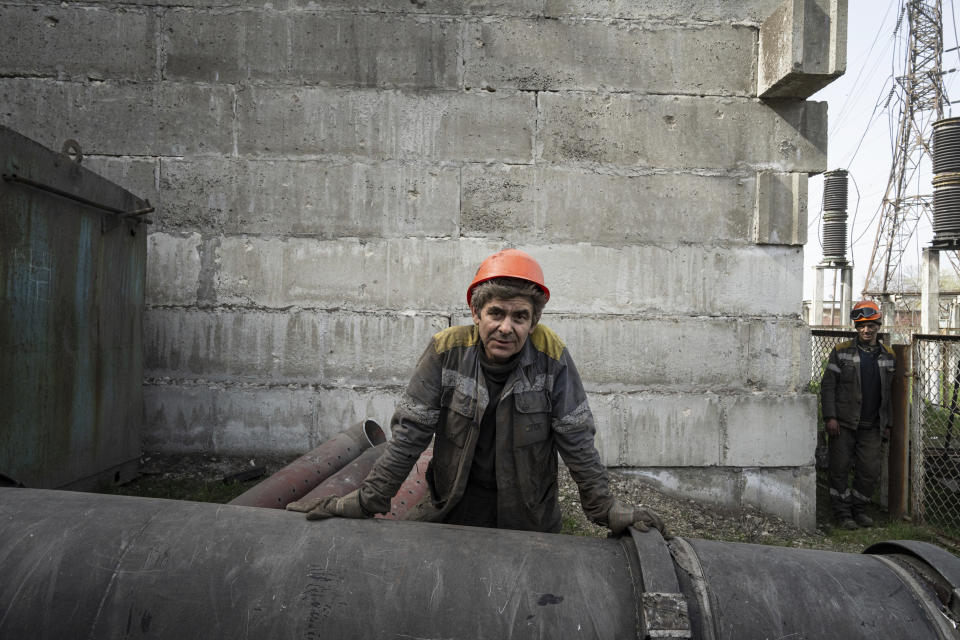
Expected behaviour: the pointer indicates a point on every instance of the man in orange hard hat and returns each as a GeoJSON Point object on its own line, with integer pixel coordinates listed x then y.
{"type": "Point", "coordinates": [500, 398]}
{"type": "Point", "coordinates": [855, 398]}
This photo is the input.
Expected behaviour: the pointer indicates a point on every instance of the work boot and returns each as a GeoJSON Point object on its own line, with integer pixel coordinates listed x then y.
{"type": "Point", "coordinates": [863, 520]}
{"type": "Point", "coordinates": [847, 523]}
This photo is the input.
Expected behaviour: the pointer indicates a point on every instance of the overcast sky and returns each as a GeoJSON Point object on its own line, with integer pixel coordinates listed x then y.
{"type": "Point", "coordinates": [860, 138]}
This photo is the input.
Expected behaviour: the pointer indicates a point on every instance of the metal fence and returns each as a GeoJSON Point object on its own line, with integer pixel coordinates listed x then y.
{"type": "Point", "coordinates": [822, 342]}
{"type": "Point", "coordinates": [934, 418]}
{"type": "Point", "coordinates": [935, 431]}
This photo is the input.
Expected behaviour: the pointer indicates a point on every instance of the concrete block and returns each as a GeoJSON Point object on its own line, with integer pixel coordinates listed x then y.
{"type": "Point", "coordinates": [295, 347]}
{"type": "Point", "coordinates": [770, 431]}
{"type": "Point", "coordinates": [234, 345]}
{"type": "Point", "coordinates": [136, 175]}
{"type": "Point", "coordinates": [787, 493]}
{"type": "Point", "coordinates": [564, 205]}
{"type": "Point", "coordinates": [673, 132]}
{"type": "Point", "coordinates": [656, 430]}
{"type": "Point", "coordinates": [742, 11]}
{"type": "Point", "coordinates": [416, 273]}
{"type": "Point", "coordinates": [474, 126]}
{"type": "Point", "coordinates": [228, 420]}
{"type": "Point", "coordinates": [803, 48]}
{"type": "Point", "coordinates": [685, 279]}
{"type": "Point", "coordinates": [355, 50]}
{"type": "Point", "coordinates": [387, 274]}
{"type": "Point", "coordinates": [780, 214]}
{"type": "Point", "coordinates": [108, 118]}
{"type": "Point", "coordinates": [340, 408]}
{"type": "Point", "coordinates": [552, 55]}
{"type": "Point", "coordinates": [173, 269]}
{"type": "Point", "coordinates": [365, 349]}
{"type": "Point", "coordinates": [728, 354]}
{"type": "Point", "coordinates": [433, 7]}
{"type": "Point", "coordinates": [324, 199]}
{"type": "Point", "coordinates": [69, 42]}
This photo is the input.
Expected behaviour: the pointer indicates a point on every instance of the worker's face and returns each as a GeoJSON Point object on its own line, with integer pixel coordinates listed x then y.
{"type": "Point", "coordinates": [504, 326]}
{"type": "Point", "coordinates": [868, 332]}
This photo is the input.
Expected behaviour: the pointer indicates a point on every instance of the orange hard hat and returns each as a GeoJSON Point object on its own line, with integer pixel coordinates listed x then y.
{"type": "Point", "coordinates": [865, 311]}
{"type": "Point", "coordinates": [509, 263]}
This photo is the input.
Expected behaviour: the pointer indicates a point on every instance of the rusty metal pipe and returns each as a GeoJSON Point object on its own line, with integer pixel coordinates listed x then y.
{"type": "Point", "coordinates": [78, 565]}
{"type": "Point", "coordinates": [349, 478]}
{"type": "Point", "coordinates": [306, 472]}
{"type": "Point", "coordinates": [413, 489]}
{"type": "Point", "coordinates": [898, 455]}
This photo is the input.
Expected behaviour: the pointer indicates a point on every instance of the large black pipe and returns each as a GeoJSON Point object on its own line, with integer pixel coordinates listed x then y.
{"type": "Point", "coordinates": [77, 565]}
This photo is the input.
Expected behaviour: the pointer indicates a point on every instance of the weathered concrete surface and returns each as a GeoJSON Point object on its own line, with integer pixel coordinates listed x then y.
{"type": "Point", "coordinates": [475, 126]}
{"type": "Point", "coordinates": [356, 49]}
{"type": "Point", "coordinates": [704, 429]}
{"type": "Point", "coordinates": [688, 280]}
{"type": "Point", "coordinates": [515, 202]}
{"type": "Point", "coordinates": [682, 132]}
{"type": "Point", "coordinates": [667, 353]}
{"type": "Point", "coordinates": [781, 492]}
{"type": "Point", "coordinates": [625, 56]}
{"type": "Point", "coordinates": [286, 347]}
{"type": "Point", "coordinates": [68, 42]}
{"type": "Point", "coordinates": [781, 208]}
{"type": "Point", "coordinates": [750, 11]}
{"type": "Point", "coordinates": [165, 119]}
{"type": "Point", "coordinates": [803, 48]}
{"type": "Point", "coordinates": [328, 175]}
{"type": "Point", "coordinates": [237, 419]}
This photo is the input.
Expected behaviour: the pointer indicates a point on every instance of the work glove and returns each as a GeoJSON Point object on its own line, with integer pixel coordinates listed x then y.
{"type": "Point", "coordinates": [332, 507]}
{"type": "Point", "coordinates": [622, 515]}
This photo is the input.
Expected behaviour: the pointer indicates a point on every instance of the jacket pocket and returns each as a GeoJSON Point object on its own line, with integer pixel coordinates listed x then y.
{"type": "Point", "coordinates": [534, 451]}
{"type": "Point", "coordinates": [531, 418]}
{"type": "Point", "coordinates": [459, 410]}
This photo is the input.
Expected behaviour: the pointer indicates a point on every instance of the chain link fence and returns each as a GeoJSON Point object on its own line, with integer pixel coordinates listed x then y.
{"type": "Point", "coordinates": [935, 431]}
{"type": "Point", "coordinates": [822, 342]}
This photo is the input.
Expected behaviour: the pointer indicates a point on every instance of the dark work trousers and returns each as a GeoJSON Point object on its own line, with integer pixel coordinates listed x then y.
{"type": "Point", "coordinates": [858, 448]}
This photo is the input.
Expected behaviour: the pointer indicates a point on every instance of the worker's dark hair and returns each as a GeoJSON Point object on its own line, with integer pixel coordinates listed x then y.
{"type": "Point", "coordinates": [505, 289]}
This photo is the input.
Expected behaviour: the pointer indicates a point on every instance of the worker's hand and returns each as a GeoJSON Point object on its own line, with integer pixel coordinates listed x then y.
{"type": "Point", "coordinates": [623, 515]}
{"type": "Point", "coordinates": [832, 426]}
{"type": "Point", "coordinates": [332, 507]}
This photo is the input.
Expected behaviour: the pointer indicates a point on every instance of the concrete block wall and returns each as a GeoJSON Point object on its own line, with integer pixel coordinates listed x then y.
{"type": "Point", "coordinates": [328, 175]}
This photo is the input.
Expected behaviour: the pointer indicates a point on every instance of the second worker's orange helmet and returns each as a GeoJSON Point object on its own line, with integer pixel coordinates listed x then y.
{"type": "Point", "coordinates": [865, 311]}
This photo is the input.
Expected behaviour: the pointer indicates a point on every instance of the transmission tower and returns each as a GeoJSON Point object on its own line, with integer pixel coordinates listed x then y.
{"type": "Point", "coordinates": [921, 95]}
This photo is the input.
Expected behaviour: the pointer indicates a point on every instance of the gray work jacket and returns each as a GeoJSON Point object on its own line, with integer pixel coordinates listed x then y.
{"type": "Point", "coordinates": [543, 410]}
{"type": "Point", "coordinates": [840, 393]}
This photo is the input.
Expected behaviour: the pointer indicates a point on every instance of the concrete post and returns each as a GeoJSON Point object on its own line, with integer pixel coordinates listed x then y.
{"type": "Point", "coordinates": [816, 309]}
{"type": "Point", "coordinates": [846, 293]}
{"type": "Point", "coordinates": [930, 291]}
{"type": "Point", "coordinates": [889, 311]}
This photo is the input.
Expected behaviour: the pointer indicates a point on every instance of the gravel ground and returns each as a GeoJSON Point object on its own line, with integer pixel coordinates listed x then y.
{"type": "Point", "coordinates": [684, 517]}
{"type": "Point", "coordinates": [693, 519]}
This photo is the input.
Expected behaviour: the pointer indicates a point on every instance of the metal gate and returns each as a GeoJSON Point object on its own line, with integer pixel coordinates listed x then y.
{"type": "Point", "coordinates": [935, 431]}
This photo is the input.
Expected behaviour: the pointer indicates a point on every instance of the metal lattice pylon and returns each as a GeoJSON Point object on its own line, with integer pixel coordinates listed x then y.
{"type": "Point", "coordinates": [921, 94]}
